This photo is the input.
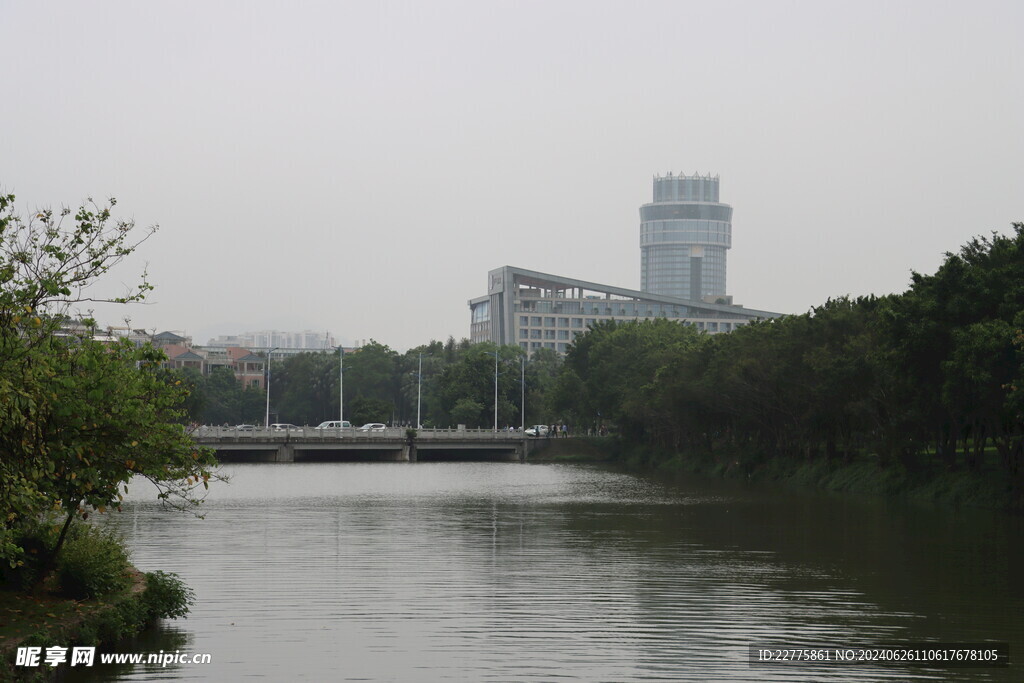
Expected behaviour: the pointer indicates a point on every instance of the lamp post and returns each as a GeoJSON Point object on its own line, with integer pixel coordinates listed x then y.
{"type": "Point", "coordinates": [522, 398]}
{"type": "Point", "coordinates": [495, 354]}
{"type": "Point", "coordinates": [341, 386]}
{"type": "Point", "coordinates": [266, 419]}
{"type": "Point", "coordinates": [419, 392]}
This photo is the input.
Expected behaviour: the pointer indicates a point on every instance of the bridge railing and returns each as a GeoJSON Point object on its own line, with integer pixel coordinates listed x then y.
{"type": "Point", "coordinates": [213, 433]}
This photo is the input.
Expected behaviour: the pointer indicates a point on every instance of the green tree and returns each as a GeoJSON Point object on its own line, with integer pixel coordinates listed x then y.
{"type": "Point", "coordinates": [304, 388]}
{"type": "Point", "coordinates": [363, 409]}
{"type": "Point", "coordinates": [371, 372]}
{"type": "Point", "coordinates": [467, 411]}
{"type": "Point", "coordinates": [78, 419]}
{"type": "Point", "coordinates": [469, 380]}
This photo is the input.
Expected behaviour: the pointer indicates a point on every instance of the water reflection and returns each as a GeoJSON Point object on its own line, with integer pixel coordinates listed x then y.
{"type": "Point", "coordinates": [506, 572]}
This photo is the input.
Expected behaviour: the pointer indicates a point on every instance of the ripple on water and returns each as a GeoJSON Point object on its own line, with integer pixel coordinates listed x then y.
{"type": "Point", "coordinates": [493, 572]}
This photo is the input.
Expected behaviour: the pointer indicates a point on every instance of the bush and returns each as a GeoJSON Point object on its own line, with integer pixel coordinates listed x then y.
{"type": "Point", "coordinates": [167, 597]}
{"type": "Point", "coordinates": [35, 539]}
{"type": "Point", "coordinates": [92, 562]}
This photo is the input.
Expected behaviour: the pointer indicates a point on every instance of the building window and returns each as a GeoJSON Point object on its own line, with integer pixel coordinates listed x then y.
{"type": "Point", "coordinates": [549, 334]}
{"type": "Point", "coordinates": [563, 334]}
{"type": "Point", "coordinates": [524, 333]}
{"type": "Point", "coordinates": [534, 334]}
{"type": "Point", "coordinates": [524, 320]}
{"type": "Point", "coordinates": [563, 322]}
{"type": "Point", "coordinates": [577, 322]}
{"type": "Point", "coordinates": [549, 322]}
{"type": "Point", "coordinates": [535, 320]}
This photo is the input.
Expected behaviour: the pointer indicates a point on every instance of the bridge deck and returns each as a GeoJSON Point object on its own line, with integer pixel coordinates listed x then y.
{"type": "Point", "coordinates": [391, 443]}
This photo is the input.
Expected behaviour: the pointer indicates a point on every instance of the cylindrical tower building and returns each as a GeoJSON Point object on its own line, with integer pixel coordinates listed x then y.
{"type": "Point", "coordinates": [684, 233]}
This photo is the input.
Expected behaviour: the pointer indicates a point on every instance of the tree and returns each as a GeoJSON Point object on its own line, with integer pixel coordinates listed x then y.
{"type": "Point", "coordinates": [469, 380]}
{"type": "Point", "coordinates": [305, 388]}
{"type": "Point", "coordinates": [466, 411]}
{"type": "Point", "coordinates": [79, 419]}
{"type": "Point", "coordinates": [371, 372]}
{"type": "Point", "coordinates": [363, 409]}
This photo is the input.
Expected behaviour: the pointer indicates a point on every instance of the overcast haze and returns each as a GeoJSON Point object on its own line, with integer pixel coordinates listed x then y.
{"type": "Point", "coordinates": [359, 167]}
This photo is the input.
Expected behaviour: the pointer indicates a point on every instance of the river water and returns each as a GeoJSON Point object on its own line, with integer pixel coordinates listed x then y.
{"type": "Point", "coordinates": [547, 572]}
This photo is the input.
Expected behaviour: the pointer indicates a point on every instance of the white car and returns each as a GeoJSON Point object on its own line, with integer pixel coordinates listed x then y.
{"type": "Point", "coordinates": [373, 427]}
{"type": "Point", "coordinates": [537, 430]}
{"type": "Point", "coordinates": [282, 427]}
{"type": "Point", "coordinates": [334, 424]}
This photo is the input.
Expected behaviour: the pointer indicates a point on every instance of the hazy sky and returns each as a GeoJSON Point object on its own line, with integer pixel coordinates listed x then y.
{"type": "Point", "coordinates": [358, 167]}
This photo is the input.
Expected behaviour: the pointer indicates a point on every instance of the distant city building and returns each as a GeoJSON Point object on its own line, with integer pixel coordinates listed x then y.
{"type": "Point", "coordinates": [237, 353]}
{"type": "Point", "coordinates": [168, 338]}
{"type": "Point", "coordinates": [247, 366]}
{"type": "Point", "coordinates": [306, 340]}
{"type": "Point", "coordinates": [684, 234]}
{"type": "Point", "coordinates": [539, 310]}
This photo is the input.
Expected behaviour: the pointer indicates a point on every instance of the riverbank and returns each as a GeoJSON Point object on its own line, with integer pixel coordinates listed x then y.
{"type": "Point", "coordinates": [576, 449]}
{"type": "Point", "coordinates": [48, 620]}
{"type": "Point", "coordinates": [866, 476]}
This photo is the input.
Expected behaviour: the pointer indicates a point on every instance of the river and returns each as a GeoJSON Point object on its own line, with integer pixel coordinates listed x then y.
{"type": "Point", "coordinates": [543, 572]}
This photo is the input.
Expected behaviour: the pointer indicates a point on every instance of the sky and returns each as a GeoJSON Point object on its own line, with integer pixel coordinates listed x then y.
{"type": "Point", "coordinates": [358, 167]}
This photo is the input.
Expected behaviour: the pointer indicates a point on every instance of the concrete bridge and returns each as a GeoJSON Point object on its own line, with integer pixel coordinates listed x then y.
{"type": "Point", "coordinates": [392, 444]}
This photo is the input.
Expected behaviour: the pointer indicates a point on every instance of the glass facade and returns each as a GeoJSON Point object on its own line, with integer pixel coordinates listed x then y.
{"type": "Point", "coordinates": [684, 235]}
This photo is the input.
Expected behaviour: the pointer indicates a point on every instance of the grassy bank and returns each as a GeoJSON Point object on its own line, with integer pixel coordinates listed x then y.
{"type": "Point", "coordinates": [82, 593]}
{"type": "Point", "coordinates": [48, 620]}
{"type": "Point", "coordinates": [577, 449]}
{"type": "Point", "coordinates": [865, 476]}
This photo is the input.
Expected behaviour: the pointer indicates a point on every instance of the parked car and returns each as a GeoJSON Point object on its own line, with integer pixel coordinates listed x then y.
{"type": "Point", "coordinates": [245, 428]}
{"type": "Point", "coordinates": [537, 430]}
{"type": "Point", "coordinates": [282, 427]}
{"type": "Point", "coordinates": [334, 424]}
{"type": "Point", "coordinates": [373, 427]}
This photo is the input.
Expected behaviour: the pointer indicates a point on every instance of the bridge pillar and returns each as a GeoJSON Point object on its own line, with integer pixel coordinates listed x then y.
{"type": "Point", "coordinates": [410, 453]}
{"type": "Point", "coordinates": [285, 453]}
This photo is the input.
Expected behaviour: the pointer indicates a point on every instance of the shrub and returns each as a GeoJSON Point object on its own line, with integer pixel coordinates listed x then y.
{"type": "Point", "coordinates": [92, 562]}
{"type": "Point", "coordinates": [35, 539]}
{"type": "Point", "coordinates": [167, 597]}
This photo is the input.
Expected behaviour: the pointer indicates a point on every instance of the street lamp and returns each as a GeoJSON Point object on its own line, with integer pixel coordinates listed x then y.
{"type": "Point", "coordinates": [266, 420]}
{"type": "Point", "coordinates": [522, 398]}
{"type": "Point", "coordinates": [495, 354]}
{"type": "Point", "coordinates": [341, 386]}
{"type": "Point", "coordinates": [419, 392]}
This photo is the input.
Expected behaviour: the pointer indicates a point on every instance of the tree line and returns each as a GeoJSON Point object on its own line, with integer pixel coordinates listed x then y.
{"type": "Point", "coordinates": [930, 375]}
{"type": "Point", "coordinates": [443, 384]}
